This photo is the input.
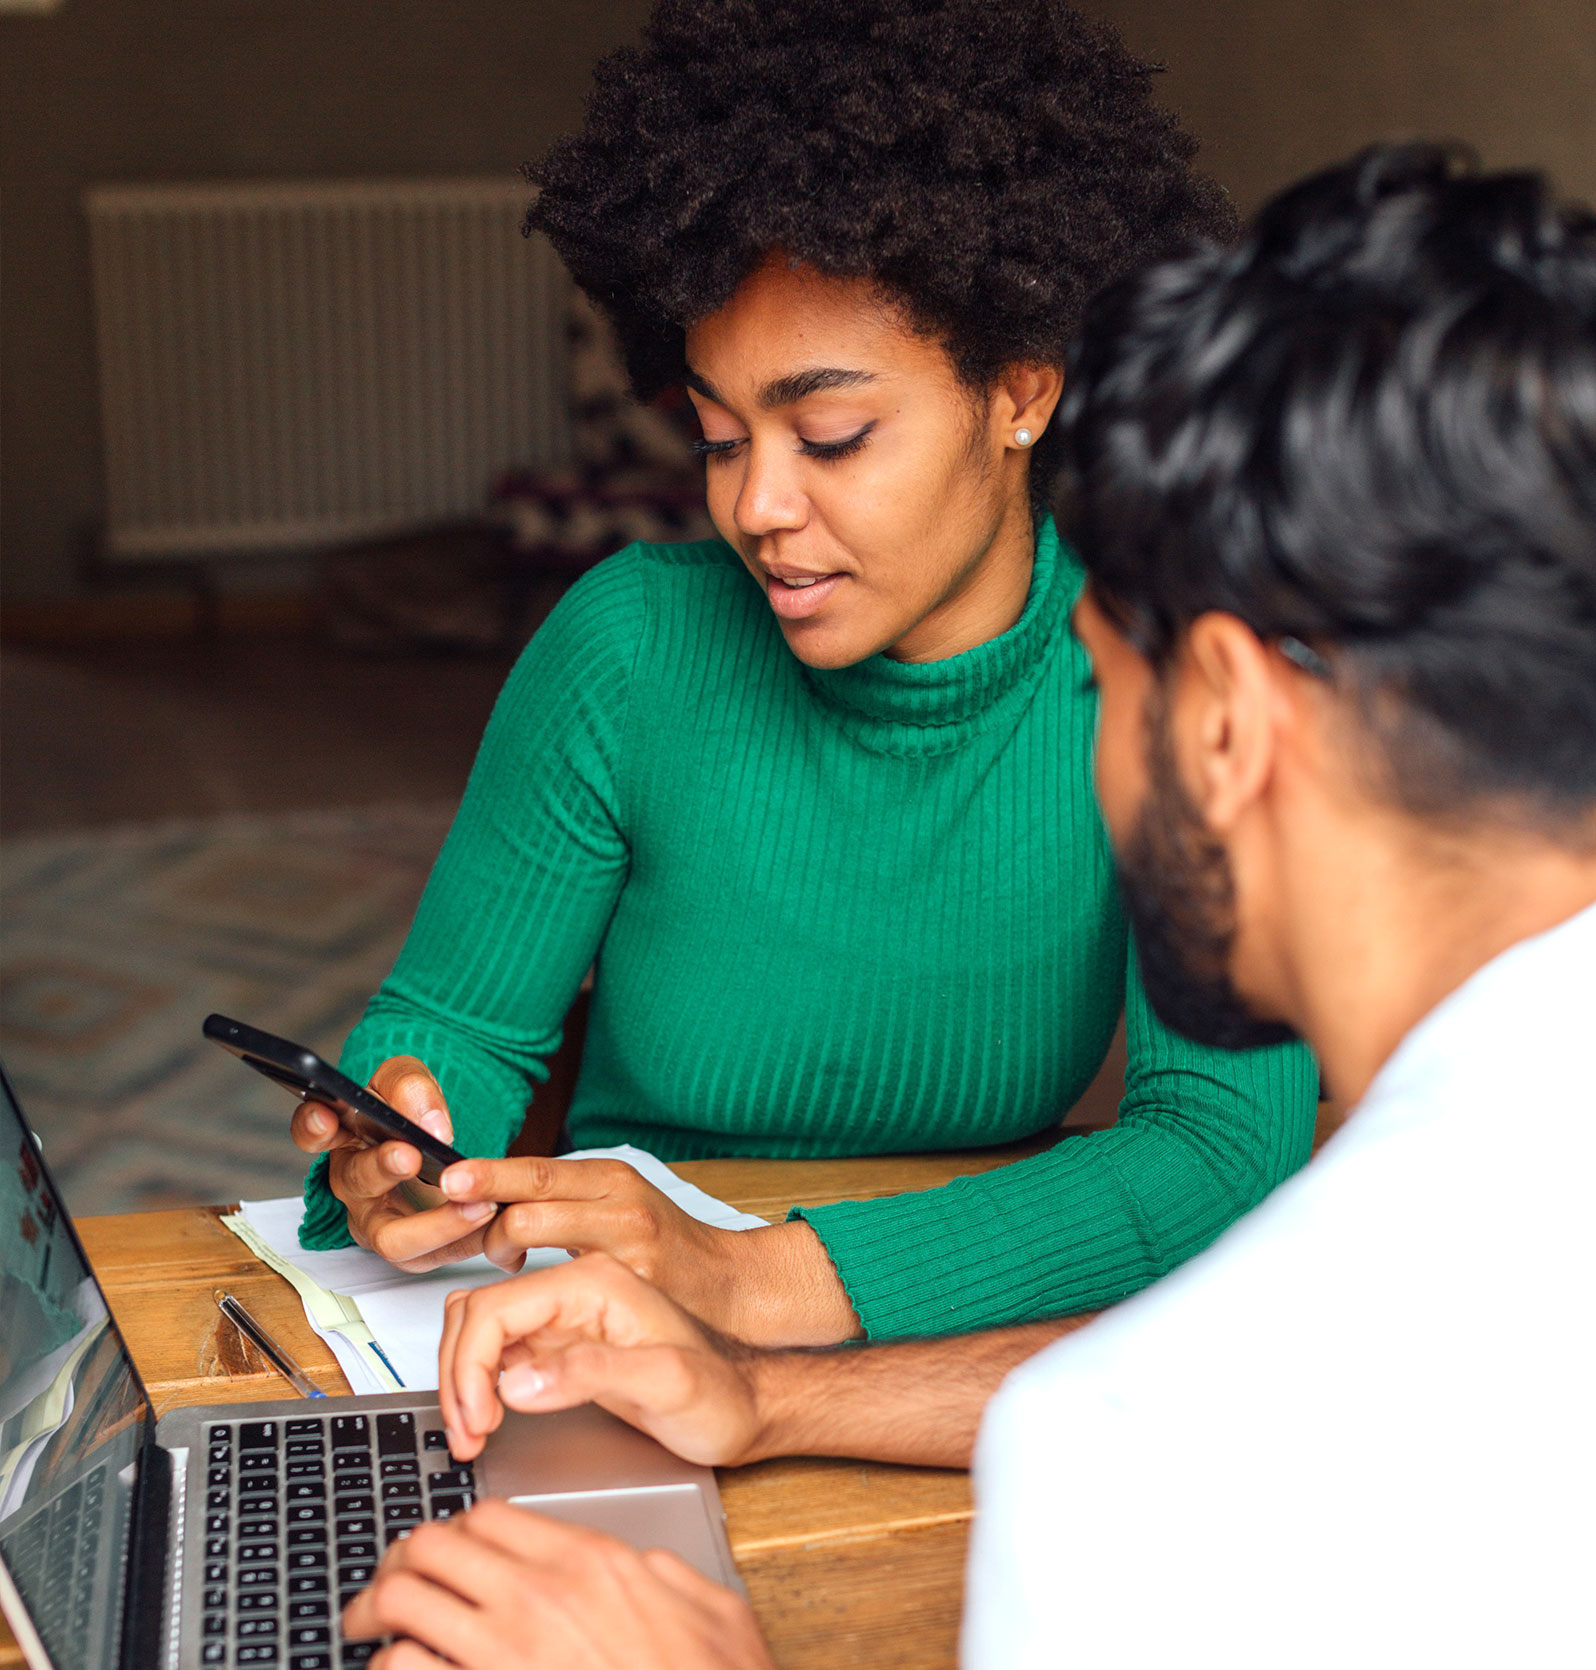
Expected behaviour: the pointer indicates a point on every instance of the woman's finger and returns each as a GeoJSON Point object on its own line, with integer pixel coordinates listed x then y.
{"type": "Point", "coordinates": [316, 1130]}
{"type": "Point", "coordinates": [423, 1240]}
{"type": "Point", "coordinates": [536, 1177]}
{"type": "Point", "coordinates": [408, 1087]}
{"type": "Point", "coordinates": [574, 1225]}
{"type": "Point", "coordinates": [370, 1173]}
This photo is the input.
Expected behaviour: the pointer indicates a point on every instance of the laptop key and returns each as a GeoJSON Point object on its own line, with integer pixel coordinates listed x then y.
{"type": "Point", "coordinates": [298, 1429]}
{"type": "Point", "coordinates": [312, 1469]}
{"type": "Point", "coordinates": [310, 1635]}
{"type": "Point", "coordinates": [218, 1500]}
{"type": "Point", "coordinates": [217, 1478]}
{"type": "Point", "coordinates": [305, 1513]}
{"type": "Point", "coordinates": [401, 1490]}
{"type": "Point", "coordinates": [254, 1629]}
{"type": "Point", "coordinates": [311, 1661]}
{"type": "Point", "coordinates": [214, 1652]}
{"type": "Point", "coordinates": [355, 1575]}
{"type": "Point", "coordinates": [215, 1599]}
{"type": "Point", "coordinates": [446, 1506]}
{"type": "Point", "coordinates": [306, 1536]}
{"type": "Point", "coordinates": [266, 1526]}
{"type": "Point", "coordinates": [401, 1513]}
{"type": "Point", "coordinates": [258, 1577]}
{"type": "Point", "coordinates": [304, 1609]}
{"type": "Point", "coordinates": [305, 1490]}
{"type": "Point", "coordinates": [216, 1572]}
{"type": "Point", "coordinates": [356, 1525]}
{"type": "Point", "coordinates": [256, 1553]}
{"type": "Point", "coordinates": [362, 1548]}
{"type": "Point", "coordinates": [401, 1467]}
{"type": "Point", "coordinates": [257, 1435]}
{"type": "Point", "coordinates": [435, 1438]}
{"type": "Point", "coordinates": [454, 1478]}
{"type": "Point", "coordinates": [396, 1434]}
{"type": "Point", "coordinates": [363, 1503]}
{"type": "Point", "coordinates": [308, 1583]}
{"type": "Point", "coordinates": [308, 1559]}
{"type": "Point", "coordinates": [215, 1623]}
{"type": "Point", "coordinates": [256, 1652]}
{"type": "Point", "coordinates": [216, 1548]}
{"type": "Point", "coordinates": [349, 1431]}
{"type": "Point", "coordinates": [304, 1447]}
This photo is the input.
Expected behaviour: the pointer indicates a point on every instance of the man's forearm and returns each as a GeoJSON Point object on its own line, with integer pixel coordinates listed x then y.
{"type": "Point", "coordinates": [919, 1402]}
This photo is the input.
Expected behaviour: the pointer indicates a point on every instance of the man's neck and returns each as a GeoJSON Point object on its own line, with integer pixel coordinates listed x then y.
{"type": "Point", "coordinates": [1388, 917]}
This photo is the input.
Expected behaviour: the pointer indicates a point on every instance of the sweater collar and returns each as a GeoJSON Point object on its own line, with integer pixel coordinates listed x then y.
{"type": "Point", "coordinates": [914, 705]}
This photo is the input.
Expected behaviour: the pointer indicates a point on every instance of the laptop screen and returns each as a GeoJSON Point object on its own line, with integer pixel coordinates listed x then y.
{"type": "Point", "coordinates": [72, 1418]}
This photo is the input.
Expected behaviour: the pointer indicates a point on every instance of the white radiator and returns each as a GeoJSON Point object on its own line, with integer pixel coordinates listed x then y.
{"type": "Point", "coordinates": [293, 364]}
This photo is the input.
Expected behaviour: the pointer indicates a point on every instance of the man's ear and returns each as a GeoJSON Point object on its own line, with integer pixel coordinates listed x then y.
{"type": "Point", "coordinates": [1226, 716]}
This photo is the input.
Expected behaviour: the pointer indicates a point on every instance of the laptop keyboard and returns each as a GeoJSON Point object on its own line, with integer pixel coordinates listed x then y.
{"type": "Point", "coordinates": [297, 1514]}
{"type": "Point", "coordinates": [53, 1557]}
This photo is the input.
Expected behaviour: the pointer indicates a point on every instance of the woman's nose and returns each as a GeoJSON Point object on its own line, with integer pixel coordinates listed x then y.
{"type": "Point", "coordinates": [769, 499]}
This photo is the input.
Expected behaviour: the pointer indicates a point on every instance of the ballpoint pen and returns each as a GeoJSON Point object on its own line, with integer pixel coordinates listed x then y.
{"type": "Point", "coordinates": [269, 1348]}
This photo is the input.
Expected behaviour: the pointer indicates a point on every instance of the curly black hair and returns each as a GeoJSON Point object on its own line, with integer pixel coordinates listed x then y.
{"type": "Point", "coordinates": [990, 164]}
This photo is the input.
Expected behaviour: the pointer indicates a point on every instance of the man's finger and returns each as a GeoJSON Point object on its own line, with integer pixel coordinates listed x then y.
{"type": "Point", "coordinates": [406, 1603]}
{"type": "Point", "coordinates": [594, 1296]}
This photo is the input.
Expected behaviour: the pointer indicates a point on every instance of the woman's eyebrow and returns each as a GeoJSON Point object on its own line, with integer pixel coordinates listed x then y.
{"type": "Point", "coordinates": [788, 390]}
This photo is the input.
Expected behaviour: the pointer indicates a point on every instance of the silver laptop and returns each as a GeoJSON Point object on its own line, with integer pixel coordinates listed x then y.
{"type": "Point", "coordinates": [233, 1534]}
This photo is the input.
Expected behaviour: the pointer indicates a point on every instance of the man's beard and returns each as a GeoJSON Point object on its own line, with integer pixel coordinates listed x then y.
{"type": "Point", "coordinates": [1180, 896]}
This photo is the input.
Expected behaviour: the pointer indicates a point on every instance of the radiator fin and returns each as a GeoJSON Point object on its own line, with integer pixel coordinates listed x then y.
{"type": "Point", "coordinates": [295, 364]}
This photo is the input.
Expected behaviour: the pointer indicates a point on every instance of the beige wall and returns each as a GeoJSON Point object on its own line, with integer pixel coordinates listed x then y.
{"type": "Point", "coordinates": [185, 89]}
{"type": "Point", "coordinates": [107, 90]}
{"type": "Point", "coordinates": [1275, 88]}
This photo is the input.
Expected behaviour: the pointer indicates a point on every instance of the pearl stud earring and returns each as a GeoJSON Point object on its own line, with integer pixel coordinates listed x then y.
{"type": "Point", "coordinates": [1022, 437]}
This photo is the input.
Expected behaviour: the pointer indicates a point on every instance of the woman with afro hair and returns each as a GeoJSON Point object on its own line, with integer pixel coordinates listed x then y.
{"type": "Point", "coordinates": [816, 798]}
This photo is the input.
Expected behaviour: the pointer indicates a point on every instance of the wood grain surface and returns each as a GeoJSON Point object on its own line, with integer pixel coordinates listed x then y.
{"type": "Point", "coordinates": [847, 1563]}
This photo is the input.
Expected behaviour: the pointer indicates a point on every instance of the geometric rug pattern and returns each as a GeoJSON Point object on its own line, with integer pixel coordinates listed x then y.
{"type": "Point", "coordinates": [114, 946]}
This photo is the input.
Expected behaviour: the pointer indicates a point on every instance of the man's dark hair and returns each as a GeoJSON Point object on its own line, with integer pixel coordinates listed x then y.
{"type": "Point", "coordinates": [1370, 428]}
{"type": "Point", "coordinates": [989, 163]}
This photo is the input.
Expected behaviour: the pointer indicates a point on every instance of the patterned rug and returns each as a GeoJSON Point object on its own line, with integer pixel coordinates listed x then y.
{"type": "Point", "coordinates": [115, 945]}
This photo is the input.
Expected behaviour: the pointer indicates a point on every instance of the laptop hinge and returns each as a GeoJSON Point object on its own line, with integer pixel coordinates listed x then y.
{"type": "Point", "coordinates": [144, 1614]}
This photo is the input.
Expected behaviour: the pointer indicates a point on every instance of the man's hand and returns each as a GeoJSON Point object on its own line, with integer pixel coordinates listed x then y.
{"type": "Point", "coordinates": [774, 1286]}
{"type": "Point", "coordinates": [390, 1212]}
{"type": "Point", "coordinates": [593, 1331]}
{"type": "Point", "coordinates": [502, 1589]}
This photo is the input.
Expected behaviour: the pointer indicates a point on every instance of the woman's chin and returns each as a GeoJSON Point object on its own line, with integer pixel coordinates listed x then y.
{"type": "Point", "coordinates": [823, 644]}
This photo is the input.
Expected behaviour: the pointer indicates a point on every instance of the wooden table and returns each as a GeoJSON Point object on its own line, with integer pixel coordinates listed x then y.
{"type": "Point", "coordinates": [847, 1563]}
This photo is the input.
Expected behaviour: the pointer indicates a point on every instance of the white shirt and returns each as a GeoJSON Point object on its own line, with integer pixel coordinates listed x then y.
{"type": "Point", "coordinates": [1360, 1430]}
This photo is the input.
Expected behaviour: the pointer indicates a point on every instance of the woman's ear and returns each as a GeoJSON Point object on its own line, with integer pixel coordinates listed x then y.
{"type": "Point", "coordinates": [1026, 396]}
{"type": "Point", "coordinates": [1226, 714]}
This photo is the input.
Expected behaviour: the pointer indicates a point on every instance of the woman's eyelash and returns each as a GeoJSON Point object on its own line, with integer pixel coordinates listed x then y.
{"type": "Point", "coordinates": [836, 449]}
{"type": "Point", "coordinates": [826, 450]}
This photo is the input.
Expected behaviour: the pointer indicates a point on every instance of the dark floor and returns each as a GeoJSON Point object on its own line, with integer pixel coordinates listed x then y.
{"type": "Point", "coordinates": [158, 728]}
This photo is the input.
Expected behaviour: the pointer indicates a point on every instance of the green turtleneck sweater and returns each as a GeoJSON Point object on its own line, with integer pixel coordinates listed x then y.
{"type": "Point", "coordinates": [859, 911]}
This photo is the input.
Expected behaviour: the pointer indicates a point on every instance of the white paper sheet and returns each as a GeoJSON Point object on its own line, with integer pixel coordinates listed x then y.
{"type": "Point", "coordinates": [404, 1313]}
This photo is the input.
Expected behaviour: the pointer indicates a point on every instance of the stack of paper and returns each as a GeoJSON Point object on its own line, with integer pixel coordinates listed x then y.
{"type": "Point", "coordinates": [384, 1326]}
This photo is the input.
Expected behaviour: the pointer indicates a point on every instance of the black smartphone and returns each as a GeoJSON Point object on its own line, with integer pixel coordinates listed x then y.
{"type": "Point", "coordinates": [360, 1111]}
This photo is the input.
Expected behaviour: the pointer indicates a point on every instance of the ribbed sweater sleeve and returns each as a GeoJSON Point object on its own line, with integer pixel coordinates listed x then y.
{"type": "Point", "coordinates": [1202, 1136]}
{"type": "Point", "coordinates": [519, 898]}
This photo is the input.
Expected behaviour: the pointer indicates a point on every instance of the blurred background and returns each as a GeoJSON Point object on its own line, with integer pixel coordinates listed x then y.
{"type": "Point", "coordinates": [299, 440]}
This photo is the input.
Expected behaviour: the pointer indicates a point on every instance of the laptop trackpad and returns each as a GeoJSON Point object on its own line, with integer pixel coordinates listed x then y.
{"type": "Point", "coordinates": [672, 1516]}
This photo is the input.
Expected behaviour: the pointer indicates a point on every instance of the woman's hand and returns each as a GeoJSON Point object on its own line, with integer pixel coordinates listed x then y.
{"type": "Point", "coordinates": [773, 1286]}
{"type": "Point", "coordinates": [390, 1212]}
{"type": "Point", "coordinates": [592, 1331]}
{"type": "Point", "coordinates": [500, 1589]}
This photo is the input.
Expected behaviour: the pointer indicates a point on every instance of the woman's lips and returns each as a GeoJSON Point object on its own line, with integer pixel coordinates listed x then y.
{"type": "Point", "coordinates": [799, 602]}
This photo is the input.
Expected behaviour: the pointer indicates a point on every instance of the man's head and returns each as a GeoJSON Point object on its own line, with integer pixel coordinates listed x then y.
{"type": "Point", "coordinates": [1336, 493]}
